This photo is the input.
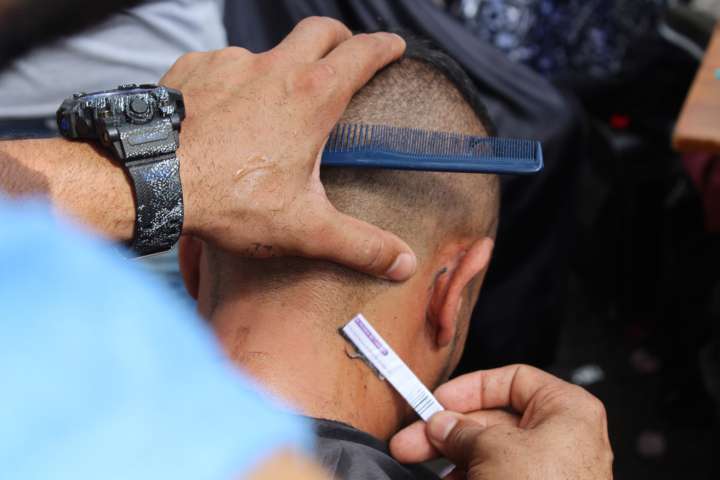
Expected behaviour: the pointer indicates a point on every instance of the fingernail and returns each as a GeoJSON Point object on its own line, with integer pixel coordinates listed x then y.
{"type": "Point", "coordinates": [402, 268]}
{"type": "Point", "coordinates": [441, 424]}
{"type": "Point", "coordinates": [402, 41]}
{"type": "Point", "coordinates": [388, 35]}
{"type": "Point", "coordinates": [398, 37]}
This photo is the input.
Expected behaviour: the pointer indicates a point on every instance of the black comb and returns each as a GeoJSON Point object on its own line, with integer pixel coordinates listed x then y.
{"type": "Point", "coordinates": [382, 146]}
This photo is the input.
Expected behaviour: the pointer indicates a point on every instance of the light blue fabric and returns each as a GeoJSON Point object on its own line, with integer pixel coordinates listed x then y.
{"type": "Point", "coordinates": [103, 375]}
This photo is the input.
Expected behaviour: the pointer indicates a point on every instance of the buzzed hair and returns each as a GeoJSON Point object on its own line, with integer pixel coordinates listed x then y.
{"type": "Point", "coordinates": [422, 50]}
{"type": "Point", "coordinates": [426, 90]}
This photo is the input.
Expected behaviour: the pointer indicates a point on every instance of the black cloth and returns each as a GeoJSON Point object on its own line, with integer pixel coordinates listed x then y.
{"type": "Point", "coordinates": [350, 454]}
{"type": "Point", "coordinates": [517, 316]}
{"type": "Point", "coordinates": [25, 128]}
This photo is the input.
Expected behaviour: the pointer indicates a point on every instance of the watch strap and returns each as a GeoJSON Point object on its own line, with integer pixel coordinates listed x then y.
{"type": "Point", "coordinates": [159, 203]}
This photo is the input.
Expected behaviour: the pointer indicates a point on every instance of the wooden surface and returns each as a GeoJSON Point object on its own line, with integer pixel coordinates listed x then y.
{"type": "Point", "coordinates": [698, 129]}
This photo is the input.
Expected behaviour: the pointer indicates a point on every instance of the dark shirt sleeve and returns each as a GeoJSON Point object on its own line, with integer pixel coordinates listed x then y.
{"type": "Point", "coordinates": [350, 454]}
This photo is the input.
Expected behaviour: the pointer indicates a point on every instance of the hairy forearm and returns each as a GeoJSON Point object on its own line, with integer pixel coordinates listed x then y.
{"type": "Point", "coordinates": [78, 179]}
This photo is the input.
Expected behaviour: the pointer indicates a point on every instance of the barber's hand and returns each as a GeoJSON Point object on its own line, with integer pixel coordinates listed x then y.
{"type": "Point", "coordinates": [560, 430]}
{"type": "Point", "coordinates": [252, 141]}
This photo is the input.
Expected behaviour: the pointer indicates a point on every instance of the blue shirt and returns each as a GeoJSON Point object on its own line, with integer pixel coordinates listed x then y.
{"type": "Point", "coordinates": [104, 375]}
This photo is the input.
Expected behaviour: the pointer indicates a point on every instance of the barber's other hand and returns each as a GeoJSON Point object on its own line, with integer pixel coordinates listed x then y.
{"type": "Point", "coordinates": [252, 141]}
{"type": "Point", "coordinates": [560, 430]}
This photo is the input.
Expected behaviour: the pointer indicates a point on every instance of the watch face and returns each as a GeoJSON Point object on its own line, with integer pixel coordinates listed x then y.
{"type": "Point", "coordinates": [97, 115]}
{"type": "Point", "coordinates": [128, 89]}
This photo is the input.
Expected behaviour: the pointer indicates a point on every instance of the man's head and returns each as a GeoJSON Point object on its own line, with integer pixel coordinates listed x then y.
{"type": "Point", "coordinates": [449, 219]}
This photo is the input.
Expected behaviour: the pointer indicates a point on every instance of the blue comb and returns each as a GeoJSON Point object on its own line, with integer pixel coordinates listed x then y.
{"type": "Point", "coordinates": [382, 146]}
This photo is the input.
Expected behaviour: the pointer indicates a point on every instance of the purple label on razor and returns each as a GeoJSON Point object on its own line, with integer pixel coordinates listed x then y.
{"type": "Point", "coordinates": [371, 337]}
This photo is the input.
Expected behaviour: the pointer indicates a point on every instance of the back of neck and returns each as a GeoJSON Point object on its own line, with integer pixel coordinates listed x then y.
{"type": "Point", "coordinates": [297, 356]}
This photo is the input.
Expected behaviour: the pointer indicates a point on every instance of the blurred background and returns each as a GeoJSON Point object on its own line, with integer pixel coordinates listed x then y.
{"type": "Point", "coordinates": [640, 320]}
{"type": "Point", "coordinates": [607, 270]}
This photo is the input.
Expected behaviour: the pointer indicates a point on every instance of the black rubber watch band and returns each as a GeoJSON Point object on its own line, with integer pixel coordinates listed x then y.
{"type": "Point", "coordinates": [140, 126]}
{"type": "Point", "coordinates": [159, 203]}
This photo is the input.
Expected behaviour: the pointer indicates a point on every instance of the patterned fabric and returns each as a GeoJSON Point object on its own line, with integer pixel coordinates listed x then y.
{"type": "Point", "coordinates": [589, 37]}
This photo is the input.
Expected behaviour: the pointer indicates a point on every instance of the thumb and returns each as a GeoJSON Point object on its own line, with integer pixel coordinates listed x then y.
{"type": "Point", "coordinates": [363, 247]}
{"type": "Point", "coordinates": [455, 436]}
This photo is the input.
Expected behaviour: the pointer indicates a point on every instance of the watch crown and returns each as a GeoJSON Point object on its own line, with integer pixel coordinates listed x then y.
{"type": "Point", "coordinates": [139, 106]}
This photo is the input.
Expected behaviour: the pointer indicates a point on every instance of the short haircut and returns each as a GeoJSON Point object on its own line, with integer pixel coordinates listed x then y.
{"type": "Point", "coordinates": [423, 50]}
{"type": "Point", "coordinates": [428, 90]}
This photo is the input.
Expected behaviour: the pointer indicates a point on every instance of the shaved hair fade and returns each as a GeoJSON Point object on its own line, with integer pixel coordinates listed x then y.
{"type": "Point", "coordinates": [428, 90]}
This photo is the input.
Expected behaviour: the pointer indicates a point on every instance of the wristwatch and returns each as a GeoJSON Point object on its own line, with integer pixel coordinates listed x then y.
{"type": "Point", "coordinates": [140, 125]}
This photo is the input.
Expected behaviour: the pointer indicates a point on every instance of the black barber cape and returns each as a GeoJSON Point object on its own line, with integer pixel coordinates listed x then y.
{"type": "Point", "coordinates": [349, 454]}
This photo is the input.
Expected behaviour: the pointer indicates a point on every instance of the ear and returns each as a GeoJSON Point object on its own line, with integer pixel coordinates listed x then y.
{"type": "Point", "coordinates": [189, 252]}
{"type": "Point", "coordinates": [463, 265]}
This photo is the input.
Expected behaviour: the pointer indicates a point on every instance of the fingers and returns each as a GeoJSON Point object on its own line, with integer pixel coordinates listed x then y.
{"type": "Point", "coordinates": [357, 60]}
{"type": "Point", "coordinates": [512, 386]}
{"type": "Point", "coordinates": [457, 474]}
{"type": "Point", "coordinates": [455, 436]}
{"type": "Point", "coordinates": [411, 445]}
{"type": "Point", "coordinates": [313, 38]}
{"type": "Point", "coordinates": [360, 246]}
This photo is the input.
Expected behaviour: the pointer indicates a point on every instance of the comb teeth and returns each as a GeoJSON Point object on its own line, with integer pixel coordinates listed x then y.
{"type": "Point", "coordinates": [382, 146]}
